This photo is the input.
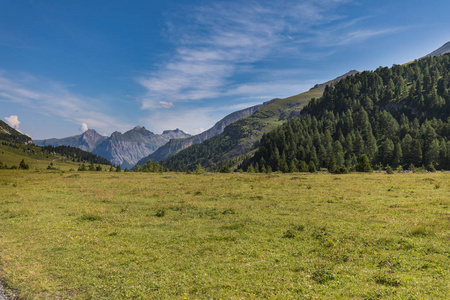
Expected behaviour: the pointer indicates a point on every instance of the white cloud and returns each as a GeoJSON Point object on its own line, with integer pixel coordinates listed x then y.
{"type": "Point", "coordinates": [13, 121]}
{"type": "Point", "coordinates": [166, 104]}
{"type": "Point", "coordinates": [84, 127]}
{"type": "Point", "coordinates": [196, 131]}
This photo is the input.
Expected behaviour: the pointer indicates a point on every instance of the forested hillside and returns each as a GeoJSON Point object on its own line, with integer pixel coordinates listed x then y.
{"type": "Point", "coordinates": [77, 155]}
{"type": "Point", "coordinates": [244, 135]}
{"type": "Point", "coordinates": [395, 116]}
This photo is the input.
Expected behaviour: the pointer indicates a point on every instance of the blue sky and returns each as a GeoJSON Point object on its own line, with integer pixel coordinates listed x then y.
{"type": "Point", "coordinates": [111, 65]}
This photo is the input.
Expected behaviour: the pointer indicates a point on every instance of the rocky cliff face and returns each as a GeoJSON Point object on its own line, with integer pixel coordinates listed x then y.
{"type": "Point", "coordinates": [128, 148]}
{"type": "Point", "coordinates": [86, 141]}
{"type": "Point", "coordinates": [176, 145]}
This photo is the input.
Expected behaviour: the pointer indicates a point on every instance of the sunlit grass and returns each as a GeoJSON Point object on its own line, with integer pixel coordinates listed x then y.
{"type": "Point", "coordinates": [134, 235]}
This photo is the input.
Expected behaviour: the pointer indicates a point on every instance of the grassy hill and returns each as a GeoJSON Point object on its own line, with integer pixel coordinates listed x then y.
{"type": "Point", "coordinates": [242, 136]}
{"type": "Point", "coordinates": [36, 157]}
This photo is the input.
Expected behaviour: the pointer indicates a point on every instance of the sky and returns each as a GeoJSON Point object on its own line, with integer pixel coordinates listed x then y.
{"type": "Point", "coordinates": [66, 66]}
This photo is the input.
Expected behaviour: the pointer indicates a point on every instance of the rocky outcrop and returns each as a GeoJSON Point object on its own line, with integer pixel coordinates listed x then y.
{"type": "Point", "coordinates": [176, 145]}
{"type": "Point", "coordinates": [86, 141]}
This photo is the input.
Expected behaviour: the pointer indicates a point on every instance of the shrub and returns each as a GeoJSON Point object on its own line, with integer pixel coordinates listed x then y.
{"type": "Point", "coordinates": [23, 165]}
{"type": "Point", "coordinates": [160, 213]}
{"type": "Point", "coordinates": [341, 170]}
{"type": "Point", "coordinates": [322, 275]}
{"type": "Point", "coordinates": [387, 280]}
{"type": "Point", "coordinates": [389, 170]}
{"type": "Point", "coordinates": [225, 169]}
{"type": "Point", "coordinates": [89, 217]}
{"type": "Point", "coordinates": [289, 234]}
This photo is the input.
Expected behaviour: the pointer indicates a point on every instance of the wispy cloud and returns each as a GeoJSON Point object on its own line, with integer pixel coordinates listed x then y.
{"type": "Point", "coordinates": [214, 43]}
{"type": "Point", "coordinates": [166, 104]}
{"type": "Point", "coordinates": [51, 98]}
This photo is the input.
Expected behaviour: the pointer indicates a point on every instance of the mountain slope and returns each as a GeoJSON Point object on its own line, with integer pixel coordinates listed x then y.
{"type": "Point", "coordinates": [7, 133]}
{"type": "Point", "coordinates": [395, 116]}
{"type": "Point", "coordinates": [128, 148]}
{"type": "Point", "coordinates": [442, 50]}
{"type": "Point", "coordinates": [86, 141]}
{"type": "Point", "coordinates": [176, 145]}
{"type": "Point", "coordinates": [243, 135]}
{"type": "Point", "coordinates": [61, 158]}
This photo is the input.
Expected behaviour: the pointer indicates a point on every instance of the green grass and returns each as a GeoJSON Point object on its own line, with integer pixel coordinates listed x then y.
{"type": "Point", "coordinates": [101, 235]}
{"type": "Point", "coordinates": [36, 159]}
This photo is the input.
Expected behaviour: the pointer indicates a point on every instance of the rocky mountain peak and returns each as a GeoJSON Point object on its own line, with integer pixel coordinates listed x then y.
{"type": "Point", "coordinates": [169, 131]}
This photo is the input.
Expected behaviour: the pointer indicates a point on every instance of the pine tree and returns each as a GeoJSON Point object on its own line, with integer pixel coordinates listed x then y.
{"type": "Point", "coordinates": [363, 164]}
{"type": "Point", "coordinates": [199, 169]}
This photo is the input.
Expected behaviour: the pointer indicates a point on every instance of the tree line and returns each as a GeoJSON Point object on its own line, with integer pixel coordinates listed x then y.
{"type": "Point", "coordinates": [77, 155]}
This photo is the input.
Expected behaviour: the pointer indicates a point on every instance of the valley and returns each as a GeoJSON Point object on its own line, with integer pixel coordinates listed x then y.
{"type": "Point", "coordinates": [80, 235]}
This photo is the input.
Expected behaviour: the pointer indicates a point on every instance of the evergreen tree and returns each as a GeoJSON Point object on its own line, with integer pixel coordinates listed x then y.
{"type": "Point", "coordinates": [364, 164]}
{"type": "Point", "coordinates": [199, 169]}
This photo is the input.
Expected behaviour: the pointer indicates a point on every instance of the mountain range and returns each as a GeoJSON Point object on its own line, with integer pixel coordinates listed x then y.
{"type": "Point", "coordinates": [176, 145]}
{"type": "Point", "coordinates": [121, 149]}
{"type": "Point", "coordinates": [242, 137]}
{"type": "Point", "coordinates": [228, 142]}
{"type": "Point", "coordinates": [86, 141]}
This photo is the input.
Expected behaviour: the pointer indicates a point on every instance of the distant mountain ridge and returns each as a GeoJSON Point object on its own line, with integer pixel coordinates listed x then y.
{"type": "Point", "coordinates": [128, 148]}
{"type": "Point", "coordinates": [86, 141]}
{"type": "Point", "coordinates": [121, 149]}
{"type": "Point", "coordinates": [176, 145]}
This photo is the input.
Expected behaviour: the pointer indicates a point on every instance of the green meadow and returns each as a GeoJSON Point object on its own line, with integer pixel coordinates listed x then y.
{"type": "Point", "coordinates": [102, 235]}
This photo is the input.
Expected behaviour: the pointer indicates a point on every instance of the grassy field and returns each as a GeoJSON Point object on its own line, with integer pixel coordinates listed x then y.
{"type": "Point", "coordinates": [101, 235]}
